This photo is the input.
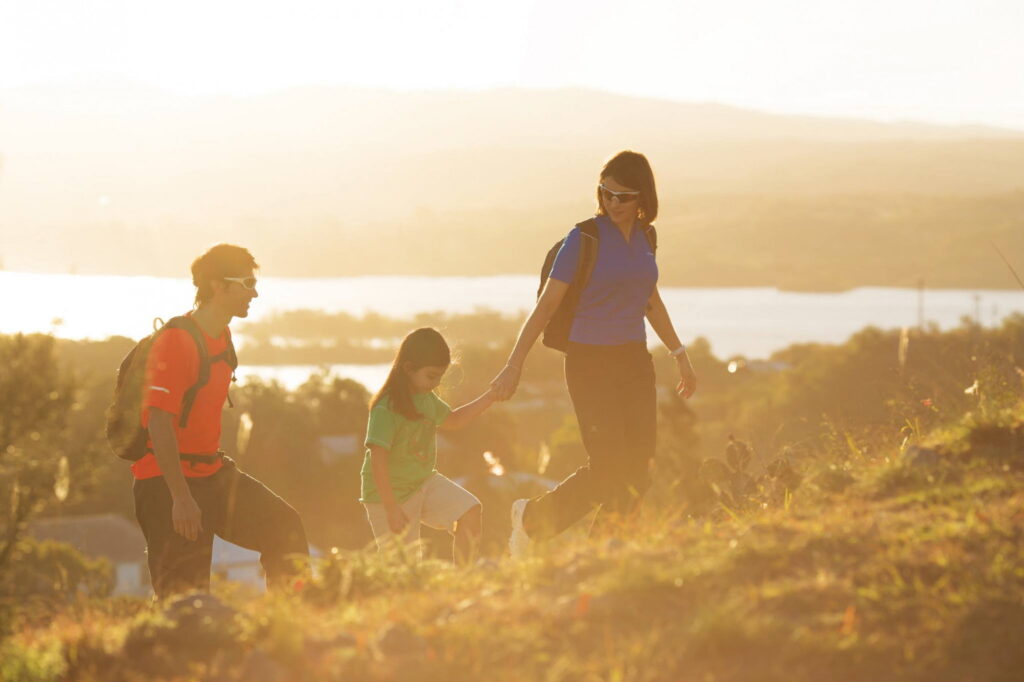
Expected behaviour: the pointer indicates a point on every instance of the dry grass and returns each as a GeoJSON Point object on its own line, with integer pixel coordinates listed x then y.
{"type": "Point", "coordinates": [912, 569]}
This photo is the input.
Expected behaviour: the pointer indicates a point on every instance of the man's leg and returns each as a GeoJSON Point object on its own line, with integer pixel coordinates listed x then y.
{"type": "Point", "coordinates": [176, 564]}
{"type": "Point", "coordinates": [251, 516]}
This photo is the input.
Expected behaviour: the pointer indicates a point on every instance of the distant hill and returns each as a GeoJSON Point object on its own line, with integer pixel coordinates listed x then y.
{"type": "Point", "coordinates": [131, 179]}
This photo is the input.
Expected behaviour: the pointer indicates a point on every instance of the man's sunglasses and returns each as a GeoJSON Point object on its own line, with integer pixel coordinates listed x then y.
{"type": "Point", "coordinates": [623, 197]}
{"type": "Point", "coordinates": [247, 282]}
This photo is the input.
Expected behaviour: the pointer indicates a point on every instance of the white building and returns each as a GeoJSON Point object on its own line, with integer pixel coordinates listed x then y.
{"type": "Point", "coordinates": [109, 536]}
{"type": "Point", "coordinates": [121, 542]}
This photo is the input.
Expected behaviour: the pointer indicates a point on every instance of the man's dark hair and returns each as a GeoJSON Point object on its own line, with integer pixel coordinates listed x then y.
{"type": "Point", "coordinates": [222, 260]}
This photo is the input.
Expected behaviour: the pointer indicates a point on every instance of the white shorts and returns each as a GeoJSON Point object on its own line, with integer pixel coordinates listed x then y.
{"type": "Point", "coordinates": [439, 503]}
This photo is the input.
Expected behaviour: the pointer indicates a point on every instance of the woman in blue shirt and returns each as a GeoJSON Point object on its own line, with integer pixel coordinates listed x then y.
{"type": "Point", "coordinates": [608, 368]}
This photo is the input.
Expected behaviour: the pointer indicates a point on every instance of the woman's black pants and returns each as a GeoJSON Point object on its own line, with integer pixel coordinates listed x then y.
{"type": "Point", "coordinates": [612, 391]}
{"type": "Point", "coordinates": [236, 507]}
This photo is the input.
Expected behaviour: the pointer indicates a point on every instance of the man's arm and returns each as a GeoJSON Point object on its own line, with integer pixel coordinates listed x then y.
{"type": "Point", "coordinates": [185, 513]}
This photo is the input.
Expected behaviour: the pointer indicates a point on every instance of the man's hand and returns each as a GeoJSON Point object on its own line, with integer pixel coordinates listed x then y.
{"type": "Point", "coordinates": [187, 517]}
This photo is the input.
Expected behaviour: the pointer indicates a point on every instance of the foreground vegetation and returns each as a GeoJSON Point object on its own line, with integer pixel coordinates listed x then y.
{"type": "Point", "coordinates": [907, 564]}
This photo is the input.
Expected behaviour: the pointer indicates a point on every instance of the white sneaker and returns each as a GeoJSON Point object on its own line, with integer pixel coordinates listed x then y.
{"type": "Point", "coordinates": [518, 541]}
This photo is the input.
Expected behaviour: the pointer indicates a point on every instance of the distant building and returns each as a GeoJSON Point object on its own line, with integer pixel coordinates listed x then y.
{"type": "Point", "coordinates": [121, 542]}
{"type": "Point", "coordinates": [239, 564]}
{"type": "Point", "coordinates": [340, 447]}
{"type": "Point", "coordinates": [109, 536]}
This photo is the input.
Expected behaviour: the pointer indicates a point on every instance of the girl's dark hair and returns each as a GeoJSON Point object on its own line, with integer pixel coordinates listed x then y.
{"type": "Point", "coordinates": [423, 347]}
{"type": "Point", "coordinates": [222, 260]}
{"type": "Point", "coordinates": [633, 170]}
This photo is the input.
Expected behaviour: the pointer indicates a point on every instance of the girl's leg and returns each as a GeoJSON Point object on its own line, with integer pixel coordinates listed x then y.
{"type": "Point", "coordinates": [448, 506]}
{"type": "Point", "coordinates": [410, 535]}
{"type": "Point", "coordinates": [466, 539]}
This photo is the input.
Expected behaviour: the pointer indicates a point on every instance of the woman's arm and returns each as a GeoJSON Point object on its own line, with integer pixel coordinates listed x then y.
{"type": "Point", "coordinates": [505, 383]}
{"type": "Point", "coordinates": [658, 315]}
{"type": "Point", "coordinates": [382, 479]}
{"type": "Point", "coordinates": [461, 416]}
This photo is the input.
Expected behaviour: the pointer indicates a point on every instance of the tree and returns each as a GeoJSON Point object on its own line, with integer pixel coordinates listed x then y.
{"type": "Point", "coordinates": [36, 398]}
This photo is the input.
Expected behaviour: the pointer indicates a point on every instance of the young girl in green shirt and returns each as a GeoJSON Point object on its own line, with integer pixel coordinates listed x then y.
{"type": "Point", "coordinates": [401, 487]}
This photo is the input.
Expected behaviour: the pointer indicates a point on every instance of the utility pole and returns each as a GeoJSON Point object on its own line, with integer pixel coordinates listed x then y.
{"type": "Point", "coordinates": [920, 304]}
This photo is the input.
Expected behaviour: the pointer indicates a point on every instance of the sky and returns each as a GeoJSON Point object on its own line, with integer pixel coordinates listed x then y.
{"type": "Point", "coordinates": [945, 61]}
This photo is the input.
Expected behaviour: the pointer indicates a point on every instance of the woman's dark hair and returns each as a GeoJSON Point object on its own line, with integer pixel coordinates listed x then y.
{"type": "Point", "coordinates": [222, 260]}
{"type": "Point", "coordinates": [424, 347]}
{"type": "Point", "coordinates": [632, 170]}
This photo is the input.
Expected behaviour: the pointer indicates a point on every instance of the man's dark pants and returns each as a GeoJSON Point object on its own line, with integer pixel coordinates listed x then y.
{"type": "Point", "coordinates": [236, 507]}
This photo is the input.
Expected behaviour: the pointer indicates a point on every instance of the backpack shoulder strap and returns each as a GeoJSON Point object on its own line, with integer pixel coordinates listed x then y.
{"type": "Point", "coordinates": [652, 237]}
{"type": "Point", "coordinates": [589, 242]}
{"type": "Point", "coordinates": [227, 355]}
{"type": "Point", "coordinates": [232, 356]}
{"type": "Point", "coordinates": [188, 400]}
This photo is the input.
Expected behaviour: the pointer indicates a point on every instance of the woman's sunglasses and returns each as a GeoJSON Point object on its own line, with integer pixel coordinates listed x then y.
{"type": "Point", "coordinates": [247, 282]}
{"type": "Point", "coordinates": [623, 197]}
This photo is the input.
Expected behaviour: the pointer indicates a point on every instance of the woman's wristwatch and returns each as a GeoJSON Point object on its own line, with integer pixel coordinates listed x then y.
{"type": "Point", "coordinates": [678, 351]}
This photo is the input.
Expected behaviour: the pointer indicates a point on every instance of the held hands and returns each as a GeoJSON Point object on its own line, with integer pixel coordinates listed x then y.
{"type": "Point", "coordinates": [187, 517]}
{"type": "Point", "coordinates": [687, 377]}
{"type": "Point", "coordinates": [505, 384]}
{"type": "Point", "coordinates": [397, 520]}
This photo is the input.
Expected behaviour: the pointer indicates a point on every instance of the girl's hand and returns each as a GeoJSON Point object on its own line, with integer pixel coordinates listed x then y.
{"type": "Point", "coordinates": [687, 377]}
{"type": "Point", "coordinates": [397, 520]}
{"type": "Point", "coordinates": [505, 384]}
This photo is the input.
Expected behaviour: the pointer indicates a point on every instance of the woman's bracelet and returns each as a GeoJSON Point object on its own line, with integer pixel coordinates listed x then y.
{"type": "Point", "coordinates": [678, 351]}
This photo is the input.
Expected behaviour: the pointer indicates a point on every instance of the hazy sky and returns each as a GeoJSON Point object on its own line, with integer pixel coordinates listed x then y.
{"type": "Point", "coordinates": [953, 61]}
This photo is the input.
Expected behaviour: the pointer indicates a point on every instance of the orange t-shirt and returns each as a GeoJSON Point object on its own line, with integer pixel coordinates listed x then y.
{"type": "Point", "coordinates": [171, 369]}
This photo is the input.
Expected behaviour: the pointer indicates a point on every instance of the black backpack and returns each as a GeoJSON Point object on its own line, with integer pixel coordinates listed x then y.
{"type": "Point", "coordinates": [125, 434]}
{"type": "Point", "coordinates": [556, 333]}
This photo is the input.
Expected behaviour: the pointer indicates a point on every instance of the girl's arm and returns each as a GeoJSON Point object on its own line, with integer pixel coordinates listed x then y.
{"type": "Point", "coordinates": [382, 478]}
{"type": "Point", "coordinates": [507, 380]}
{"type": "Point", "coordinates": [657, 313]}
{"type": "Point", "coordinates": [461, 416]}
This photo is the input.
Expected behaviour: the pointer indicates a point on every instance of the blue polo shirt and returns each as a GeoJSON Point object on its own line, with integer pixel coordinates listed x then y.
{"type": "Point", "coordinates": [612, 305]}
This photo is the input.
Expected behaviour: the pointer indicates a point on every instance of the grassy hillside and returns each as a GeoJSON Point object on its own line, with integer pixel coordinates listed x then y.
{"type": "Point", "coordinates": [900, 565]}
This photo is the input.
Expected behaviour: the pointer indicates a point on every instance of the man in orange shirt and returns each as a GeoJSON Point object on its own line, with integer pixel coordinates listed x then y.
{"type": "Point", "coordinates": [186, 490]}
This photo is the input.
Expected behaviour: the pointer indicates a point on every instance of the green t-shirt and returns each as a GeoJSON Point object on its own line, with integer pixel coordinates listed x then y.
{"type": "Point", "coordinates": [411, 445]}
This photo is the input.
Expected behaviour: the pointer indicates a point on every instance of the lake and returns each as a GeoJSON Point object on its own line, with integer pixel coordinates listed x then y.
{"type": "Point", "coordinates": [752, 322]}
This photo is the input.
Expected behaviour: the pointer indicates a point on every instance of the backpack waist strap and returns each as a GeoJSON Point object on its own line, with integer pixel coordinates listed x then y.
{"type": "Point", "coordinates": [202, 458]}
{"type": "Point", "coordinates": [198, 457]}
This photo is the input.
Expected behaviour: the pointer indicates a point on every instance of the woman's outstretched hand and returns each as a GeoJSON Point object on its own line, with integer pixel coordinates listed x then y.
{"type": "Point", "coordinates": [505, 384]}
{"type": "Point", "coordinates": [687, 377]}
